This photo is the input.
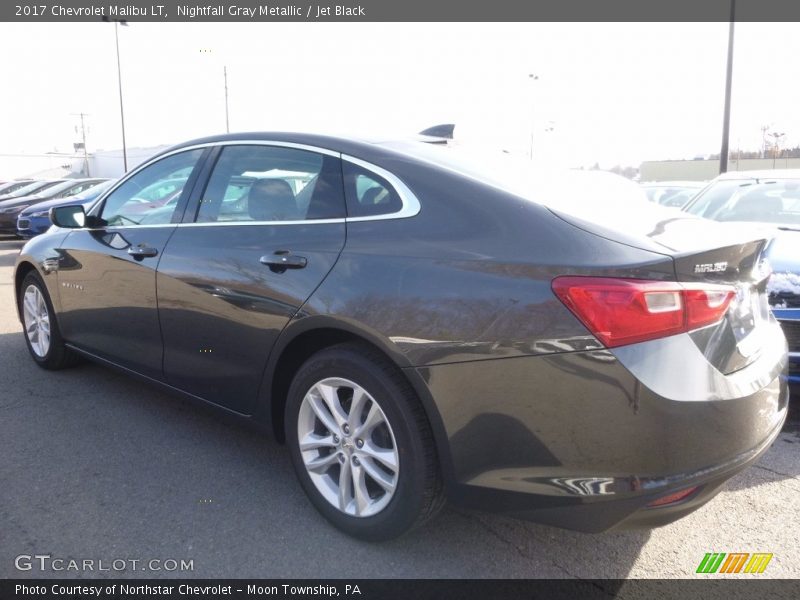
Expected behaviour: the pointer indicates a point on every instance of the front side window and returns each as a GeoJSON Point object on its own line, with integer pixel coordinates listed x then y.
{"type": "Point", "coordinates": [254, 183]}
{"type": "Point", "coordinates": [151, 196]}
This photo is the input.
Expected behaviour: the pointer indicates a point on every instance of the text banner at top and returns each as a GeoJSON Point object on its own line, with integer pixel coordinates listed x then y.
{"type": "Point", "coordinates": [402, 10]}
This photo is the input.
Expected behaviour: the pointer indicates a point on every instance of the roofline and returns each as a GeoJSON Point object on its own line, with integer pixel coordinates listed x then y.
{"type": "Point", "coordinates": [761, 174]}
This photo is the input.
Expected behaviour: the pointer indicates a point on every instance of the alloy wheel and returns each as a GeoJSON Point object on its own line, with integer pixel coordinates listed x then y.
{"type": "Point", "coordinates": [348, 447]}
{"type": "Point", "coordinates": [37, 320]}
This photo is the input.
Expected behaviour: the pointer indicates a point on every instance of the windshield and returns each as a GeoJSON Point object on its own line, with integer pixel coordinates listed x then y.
{"type": "Point", "coordinates": [670, 195]}
{"type": "Point", "coordinates": [94, 191]}
{"type": "Point", "coordinates": [37, 186]}
{"type": "Point", "coordinates": [11, 186]}
{"type": "Point", "coordinates": [750, 200]}
{"type": "Point", "coordinates": [58, 187]}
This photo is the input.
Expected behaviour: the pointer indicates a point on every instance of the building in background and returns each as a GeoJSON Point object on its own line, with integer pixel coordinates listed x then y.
{"type": "Point", "coordinates": [705, 170]}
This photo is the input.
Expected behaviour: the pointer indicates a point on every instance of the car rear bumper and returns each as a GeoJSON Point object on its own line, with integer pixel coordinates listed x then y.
{"type": "Point", "coordinates": [577, 440]}
{"type": "Point", "coordinates": [627, 510]}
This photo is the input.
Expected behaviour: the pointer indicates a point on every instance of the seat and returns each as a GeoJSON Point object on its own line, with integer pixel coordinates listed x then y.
{"type": "Point", "coordinates": [379, 201]}
{"type": "Point", "coordinates": [272, 200]}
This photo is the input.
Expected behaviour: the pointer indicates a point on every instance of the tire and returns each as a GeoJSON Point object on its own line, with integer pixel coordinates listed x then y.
{"type": "Point", "coordinates": [51, 354]}
{"type": "Point", "coordinates": [379, 502]}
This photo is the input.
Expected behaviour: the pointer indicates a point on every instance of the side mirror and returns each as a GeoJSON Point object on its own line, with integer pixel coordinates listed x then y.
{"type": "Point", "coordinates": [70, 217]}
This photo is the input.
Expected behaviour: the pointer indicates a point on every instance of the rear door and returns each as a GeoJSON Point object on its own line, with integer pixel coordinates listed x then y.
{"type": "Point", "coordinates": [265, 231]}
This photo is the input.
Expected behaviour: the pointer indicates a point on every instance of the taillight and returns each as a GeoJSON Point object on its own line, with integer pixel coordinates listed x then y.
{"type": "Point", "coordinates": [626, 311]}
{"type": "Point", "coordinates": [673, 497]}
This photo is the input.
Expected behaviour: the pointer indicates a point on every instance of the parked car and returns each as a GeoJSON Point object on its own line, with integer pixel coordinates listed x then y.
{"type": "Point", "coordinates": [36, 218]}
{"type": "Point", "coordinates": [672, 193]}
{"type": "Point", "coordinates": [12, 186]}
{"type": "Point", "coordinates": [31, 188]}
{"type": "Point", "coordinates": [784, 295]}
{"type": "Point", "coordinates": [416, 325]}
{"type": "Point", "coordinates": [10, 209]}
{"type": "Point", "coordinates": [771, 199]}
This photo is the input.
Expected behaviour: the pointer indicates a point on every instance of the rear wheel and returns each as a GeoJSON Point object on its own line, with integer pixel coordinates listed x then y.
{"type": "Point", "coordinates": [41, 326]}
{"type": "Point", "coordinates": [361, 444]}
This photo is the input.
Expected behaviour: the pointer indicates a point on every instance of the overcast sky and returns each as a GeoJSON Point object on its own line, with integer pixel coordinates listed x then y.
{"type": "Point", "coordinates": [611, 93]}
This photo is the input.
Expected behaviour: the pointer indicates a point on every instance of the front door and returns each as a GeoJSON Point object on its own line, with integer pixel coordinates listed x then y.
{"type": "Point", "coordinates": [265, 232]}
{"type": "Point", "coordinates": [107, 273]}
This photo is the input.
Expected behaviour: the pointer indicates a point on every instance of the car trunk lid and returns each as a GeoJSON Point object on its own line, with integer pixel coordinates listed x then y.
{"type": "Point", "coordinates": [705, 252]}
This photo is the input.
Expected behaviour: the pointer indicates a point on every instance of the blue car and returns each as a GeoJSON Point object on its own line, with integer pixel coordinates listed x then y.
{"type": "Point", "coordinates": [772, 199]}
{"type": "Point", "coordinates": [784, 294]}
{"type": "Point", "coordinates": [35, 219]}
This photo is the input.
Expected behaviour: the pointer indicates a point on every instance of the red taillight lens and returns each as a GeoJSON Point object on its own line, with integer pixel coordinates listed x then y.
{"type": "Point", "coordinates": [626, 311]}
{"type": "Point", "coordinates": [673, 498]}
{"type": "Point", "coordinates": [705, 306]}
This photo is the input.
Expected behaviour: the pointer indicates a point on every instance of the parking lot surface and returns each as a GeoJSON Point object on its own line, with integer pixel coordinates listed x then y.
{"type": "Point", "coordinates": [96, 465]}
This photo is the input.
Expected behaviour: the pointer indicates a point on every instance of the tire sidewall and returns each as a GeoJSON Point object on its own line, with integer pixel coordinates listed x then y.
{"type": "Point", "coordinates": [35, 279]}
{"type": "Point", "coordinates": [405, 505]}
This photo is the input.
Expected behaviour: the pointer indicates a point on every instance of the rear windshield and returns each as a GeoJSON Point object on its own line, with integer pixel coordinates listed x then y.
{"type": "Point", "coordinates": [593, 195]}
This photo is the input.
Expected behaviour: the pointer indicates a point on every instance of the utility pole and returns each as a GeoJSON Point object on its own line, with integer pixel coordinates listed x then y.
{"type": "Point", "coordinates": [121, 111]}
{"type": "Point", "coordinates": [726, 119]}
{"type": "Point", "coordinates": [225, 75]}
{"type": "Point", "coordinates": [532, 77]}
{"type": "Point", "coordinates": [764, 130]}
{"type": "Point", "coordinates": [124, 23]}
{"type": "Point", "coordinates": [83, 136]}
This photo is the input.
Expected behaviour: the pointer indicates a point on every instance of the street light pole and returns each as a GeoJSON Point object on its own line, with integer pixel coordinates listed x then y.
{"type": "Point", "coordinates": [225, 75]}
{"type": "Point", "coordinates": [726, 119]}
{"type": "Point", "coordinates": [776, 146]}
{"type": "Point", "coordinates": [119, 81]}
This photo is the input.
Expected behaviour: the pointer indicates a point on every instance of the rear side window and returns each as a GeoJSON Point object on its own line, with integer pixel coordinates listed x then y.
{"type": "Point", "coordinates": [271, 184]}
{"type": "Point", "coordinates": [368, 194]}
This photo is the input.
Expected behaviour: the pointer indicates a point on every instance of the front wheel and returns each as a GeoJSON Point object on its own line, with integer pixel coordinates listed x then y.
{"type": "Point", "coordinates": [42, 334]}
{"type": "Point", "coordinates": [361, 444]}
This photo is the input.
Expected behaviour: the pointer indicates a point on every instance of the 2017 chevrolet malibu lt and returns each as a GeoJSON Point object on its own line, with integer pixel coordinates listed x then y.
{"type": "Point", "coordinates": [417, 325]}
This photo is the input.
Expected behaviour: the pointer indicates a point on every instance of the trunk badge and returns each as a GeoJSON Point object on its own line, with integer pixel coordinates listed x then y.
{"type": "Point", "coordinates": [717, 267]}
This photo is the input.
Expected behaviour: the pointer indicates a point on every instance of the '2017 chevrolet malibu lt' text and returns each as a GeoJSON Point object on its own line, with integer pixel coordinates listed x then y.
{"type": "Point", "coordinates": [419, 325]}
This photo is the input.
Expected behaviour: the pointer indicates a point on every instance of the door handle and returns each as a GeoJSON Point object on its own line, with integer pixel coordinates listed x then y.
{"type": "Point", "coordinates": [282, 260]}
{"type": "Point", "coordinates": [141, 251]}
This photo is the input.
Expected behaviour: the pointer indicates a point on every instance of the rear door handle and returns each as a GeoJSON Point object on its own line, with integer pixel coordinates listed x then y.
{"type": "Point", "coordinates": [282, 260]}
{"type": "Point", "coordinates": [141, 251]}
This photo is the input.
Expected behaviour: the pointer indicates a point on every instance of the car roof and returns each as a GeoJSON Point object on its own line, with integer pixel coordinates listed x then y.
{"type": "Point", "coordinates": [331, 142]}
{"type": "Point", "coordinates": [761, 174]}
{"type": "Point", "coordinates": [692, 184]}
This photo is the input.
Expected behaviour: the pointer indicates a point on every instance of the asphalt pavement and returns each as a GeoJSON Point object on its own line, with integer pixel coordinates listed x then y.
{"type": "Point", "coordinates": [95, 465]}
